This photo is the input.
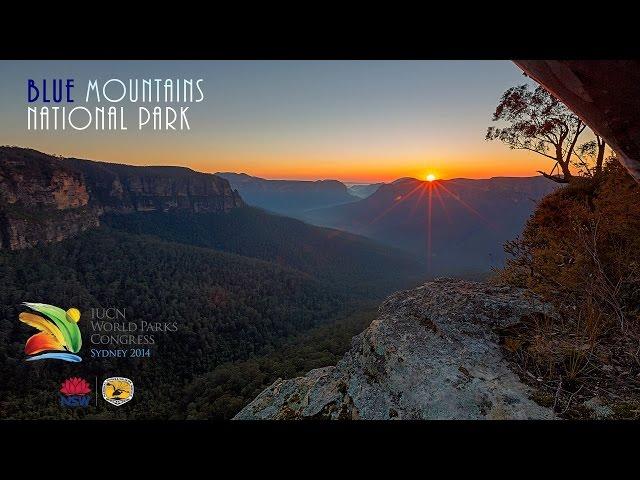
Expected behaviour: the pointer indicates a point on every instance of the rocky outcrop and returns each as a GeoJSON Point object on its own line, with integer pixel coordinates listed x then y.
{"type": "Point", "coordinates": [47, 185]}
{"type": "Point", "coordinates": [432, 353]}
{"type": "Point", "coordinates": [45, 199]}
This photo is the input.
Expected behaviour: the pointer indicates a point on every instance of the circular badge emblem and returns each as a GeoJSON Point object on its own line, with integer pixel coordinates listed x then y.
{"type": "Point", "coordinates": [117, 390]}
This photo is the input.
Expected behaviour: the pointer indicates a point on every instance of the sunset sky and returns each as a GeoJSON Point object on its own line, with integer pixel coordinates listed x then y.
{"type": "Point", "coordinates": [357, 121]}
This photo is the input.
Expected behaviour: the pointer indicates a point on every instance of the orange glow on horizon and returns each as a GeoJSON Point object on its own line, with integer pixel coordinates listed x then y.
{"type": "Point", "coordinates": [362, 170]}
{"type": "Point", "coordinates": [345, 166]}
{"type": "Point", "coordinates": [378, 168]}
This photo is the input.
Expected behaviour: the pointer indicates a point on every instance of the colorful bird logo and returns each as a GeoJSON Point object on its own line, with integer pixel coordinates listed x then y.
{"type": "Point", "coordinates": [59, 334]}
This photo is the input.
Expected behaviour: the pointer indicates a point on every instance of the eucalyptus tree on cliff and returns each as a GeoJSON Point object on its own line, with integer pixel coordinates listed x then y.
{"type": "Point", "coordinates": [535, 120]}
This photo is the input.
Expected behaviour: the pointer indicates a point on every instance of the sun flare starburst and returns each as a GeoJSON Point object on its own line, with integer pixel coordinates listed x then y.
{"type": "Point", "coordinates": [421, 196]}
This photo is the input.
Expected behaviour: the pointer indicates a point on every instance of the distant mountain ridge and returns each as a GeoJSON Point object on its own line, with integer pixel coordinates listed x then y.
{"type": "Point", "coordinates": [288, 196]}
{"type": "Point", "coordinates": [470, 219]}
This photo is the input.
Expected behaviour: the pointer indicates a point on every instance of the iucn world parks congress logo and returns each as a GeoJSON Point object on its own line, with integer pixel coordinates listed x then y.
{"type": "Point", "coordinates": [59, 336]}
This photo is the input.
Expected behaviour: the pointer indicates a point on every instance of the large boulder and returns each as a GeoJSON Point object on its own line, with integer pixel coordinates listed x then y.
{"type": "Point", "coordinates": [432, 353]}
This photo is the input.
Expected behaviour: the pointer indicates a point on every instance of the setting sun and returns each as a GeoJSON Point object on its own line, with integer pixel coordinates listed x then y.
{"type": "Point", "coordinates": [430, 177]}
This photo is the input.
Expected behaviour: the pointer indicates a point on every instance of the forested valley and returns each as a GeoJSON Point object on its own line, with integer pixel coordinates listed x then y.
{"type": "Point", "coordinates": [255, 297]}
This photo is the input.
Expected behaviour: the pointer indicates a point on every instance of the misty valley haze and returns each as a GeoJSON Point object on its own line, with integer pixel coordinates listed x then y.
{"type": "Point", "coordinates": [289, 197]}
{"type": "Point", "coordinates": [470, 220]}
{"type": "Point", "coordinates": [459, 225]}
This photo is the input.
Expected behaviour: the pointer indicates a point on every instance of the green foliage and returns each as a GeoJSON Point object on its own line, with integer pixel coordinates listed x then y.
{"type": "Point", "coordinates": [227, 307]}
{"type": "Point", "coordinates": [345, 261]}
{"type": "Point", "coordinates": [234, 313]}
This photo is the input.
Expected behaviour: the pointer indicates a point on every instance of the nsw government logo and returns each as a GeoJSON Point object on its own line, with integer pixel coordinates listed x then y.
{"type": "Point", "coordinates": [117, 390]}
{"type": "Point", "coordinates": [75, 392]}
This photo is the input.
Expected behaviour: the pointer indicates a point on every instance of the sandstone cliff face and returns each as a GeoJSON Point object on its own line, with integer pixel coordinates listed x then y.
{"type": "Point", "coordinates": [41, 201]}
{"type": "Point", "coordinates": [432, 353]}
{"type": "Point", "coordinates": [46, 199]}
{"type": "Point", "coordinates": [33, 180]}
{"type": "Point", "coordinates": [126, 188]}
